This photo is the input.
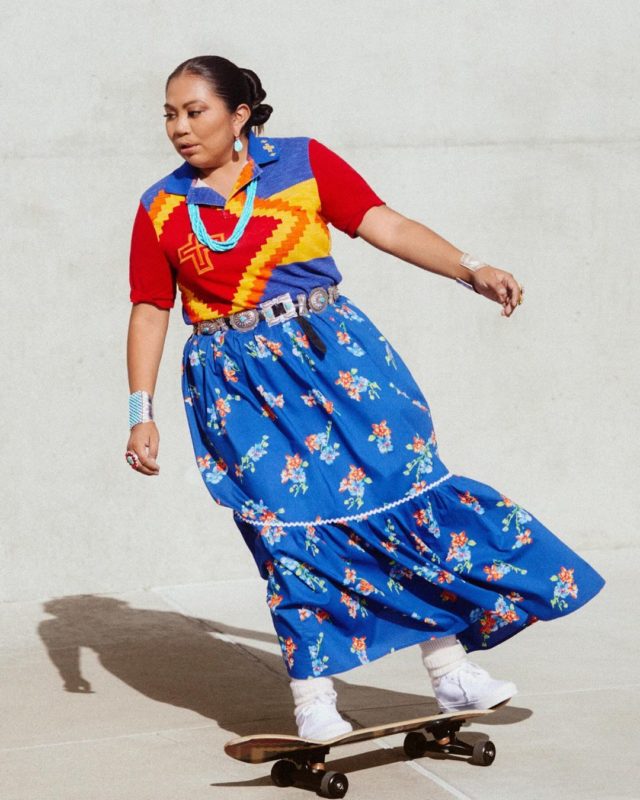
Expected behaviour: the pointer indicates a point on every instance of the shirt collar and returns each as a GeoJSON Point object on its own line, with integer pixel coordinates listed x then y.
{"type": "Point", "coordinates": [261, 151]}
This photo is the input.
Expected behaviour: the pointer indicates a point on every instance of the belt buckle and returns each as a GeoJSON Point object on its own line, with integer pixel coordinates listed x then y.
{"type": "Point", "coordinates": [209, 326]}
{"type": "Point", "coordinates": [244, 320]}
{"type": "Point", "coordinates": [278, 309]}
{"type": "Point", "coordinates": [318, 299]}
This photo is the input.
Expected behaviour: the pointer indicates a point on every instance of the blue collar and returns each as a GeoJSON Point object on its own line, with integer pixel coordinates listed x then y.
{"type": "Point", "coordinates": [262, 151]}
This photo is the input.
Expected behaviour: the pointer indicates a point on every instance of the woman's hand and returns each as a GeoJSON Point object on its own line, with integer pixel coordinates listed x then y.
{"type": "Point", "coordinates": [498, 285]}
{"type": "Point", "coordinates": [144, 440]}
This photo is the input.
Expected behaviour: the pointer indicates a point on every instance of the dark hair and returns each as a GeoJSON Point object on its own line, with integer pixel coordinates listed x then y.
{"type": "Point", "coordinates": [235, 85]}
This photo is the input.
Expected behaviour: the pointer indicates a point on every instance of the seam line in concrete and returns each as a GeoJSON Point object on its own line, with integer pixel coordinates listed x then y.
{"type": "Point", "coordinates": [414, 765]}
{"type": "Point", "coordinates": [104, 738]}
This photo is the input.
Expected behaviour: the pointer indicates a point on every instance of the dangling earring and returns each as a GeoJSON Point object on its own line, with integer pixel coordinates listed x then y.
{"type": "Point", "coordinates": [237, 145]}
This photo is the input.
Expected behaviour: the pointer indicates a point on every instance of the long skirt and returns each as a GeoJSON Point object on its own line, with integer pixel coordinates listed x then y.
{"type": "Point", "coordinates": [328, 457]}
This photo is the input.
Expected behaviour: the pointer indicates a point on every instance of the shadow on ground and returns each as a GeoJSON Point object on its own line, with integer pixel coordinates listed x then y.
{"type": "Point", "coordinates": [174, 658]}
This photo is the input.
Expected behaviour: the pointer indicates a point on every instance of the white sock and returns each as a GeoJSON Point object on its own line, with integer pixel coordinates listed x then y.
{"type": "Point", "coordinates": [305, 690]}
{"type": "Point", "coordinates": [442, 655]}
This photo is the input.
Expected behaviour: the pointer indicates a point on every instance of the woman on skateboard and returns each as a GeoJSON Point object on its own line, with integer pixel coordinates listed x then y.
{"type": "Point", "coordinates": [305, 420]}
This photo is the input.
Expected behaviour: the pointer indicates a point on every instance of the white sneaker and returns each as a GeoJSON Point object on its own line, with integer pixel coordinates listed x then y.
{"type": "Point", "coordinates": [469, 686]}
{"type": "Point", "coordinates": [320, 720]}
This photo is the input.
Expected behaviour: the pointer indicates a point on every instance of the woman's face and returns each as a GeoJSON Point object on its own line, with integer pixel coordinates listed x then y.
{"type": "Point", "coordinates": [199, 124]}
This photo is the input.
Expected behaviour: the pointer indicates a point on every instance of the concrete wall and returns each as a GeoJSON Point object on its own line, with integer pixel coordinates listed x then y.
{"type": "Point", "coordinates": [509, 128]}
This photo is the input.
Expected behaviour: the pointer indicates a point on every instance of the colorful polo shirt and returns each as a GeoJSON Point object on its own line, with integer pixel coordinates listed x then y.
{"type": "Point", "coordinates": [302, 186]}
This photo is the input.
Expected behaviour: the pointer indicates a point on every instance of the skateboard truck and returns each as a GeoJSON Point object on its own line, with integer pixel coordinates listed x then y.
{"type": "Point", "coordinates": [306, 769]}
{"type": "Point", "coordinates": [446, 742]}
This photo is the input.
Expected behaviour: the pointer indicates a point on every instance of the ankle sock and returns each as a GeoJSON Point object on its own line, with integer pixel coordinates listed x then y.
{"type": "Point", "coordinates": [305, 690]}
{"type": "Point", "coordinates": [442, 655]}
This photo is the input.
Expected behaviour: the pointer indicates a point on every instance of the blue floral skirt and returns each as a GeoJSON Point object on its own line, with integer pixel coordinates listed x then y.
{"type": "Point", "coordinates": [367, 543]}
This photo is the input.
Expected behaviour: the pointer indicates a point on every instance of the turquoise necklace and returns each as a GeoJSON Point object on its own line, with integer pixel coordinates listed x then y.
{"type": "Point", "coordinates": [201, 232]}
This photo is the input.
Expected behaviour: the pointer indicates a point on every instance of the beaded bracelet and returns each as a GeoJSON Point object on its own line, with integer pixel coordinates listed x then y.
{"type": "Point", "coordinates": [472, 263]}
{"type": "Point", "coordinates": [140, 407]}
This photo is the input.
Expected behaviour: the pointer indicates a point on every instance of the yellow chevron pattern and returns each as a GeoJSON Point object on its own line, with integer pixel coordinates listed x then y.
{"type": "Point", "coordinates": [301, 235]}
{"type": "Point", "coordinates": [196, 308]}
{"type": "Point", "coordinates": [161, 208]}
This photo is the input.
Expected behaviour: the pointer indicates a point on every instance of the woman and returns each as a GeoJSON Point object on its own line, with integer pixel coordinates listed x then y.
{"type": "Point", "coordinates": [305, 420]}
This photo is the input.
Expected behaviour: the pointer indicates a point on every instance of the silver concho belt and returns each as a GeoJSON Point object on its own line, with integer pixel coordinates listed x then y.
{"type": "Point", "coordinates": [276, 310]}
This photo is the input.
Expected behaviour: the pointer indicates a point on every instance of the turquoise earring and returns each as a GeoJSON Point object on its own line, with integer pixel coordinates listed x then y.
{"type": "Point", "coordinates": [237, 145]}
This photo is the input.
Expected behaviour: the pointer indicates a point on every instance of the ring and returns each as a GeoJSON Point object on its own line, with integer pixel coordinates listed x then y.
{"type": "Point", "coordinates": [521, 298]}
{"type": "Point", "coordinates": [132, 459]}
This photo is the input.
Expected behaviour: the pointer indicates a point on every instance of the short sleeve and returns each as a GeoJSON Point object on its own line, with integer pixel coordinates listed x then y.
{"type": "Point", "coordinates": [151, 277]}
{"type": "Point", "coordinates": [345, 196]}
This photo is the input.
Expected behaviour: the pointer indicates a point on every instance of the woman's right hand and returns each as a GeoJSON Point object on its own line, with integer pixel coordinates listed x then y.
{"type": "Point", "coordinates": [144, 440]}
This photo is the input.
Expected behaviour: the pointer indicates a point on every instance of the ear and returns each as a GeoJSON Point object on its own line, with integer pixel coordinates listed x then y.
{"type": "Point", "coordinates": [240, 116]}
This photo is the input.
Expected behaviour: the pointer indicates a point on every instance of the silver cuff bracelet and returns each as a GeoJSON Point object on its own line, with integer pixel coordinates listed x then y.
{"type": "Point", "coordinates": [140, 408]}
{"type": "Point", "coordinates": [472, 263]}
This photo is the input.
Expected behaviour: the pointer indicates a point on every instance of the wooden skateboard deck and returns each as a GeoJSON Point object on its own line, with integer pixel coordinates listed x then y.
{"type": "Point", "coordinates": [301, 761]}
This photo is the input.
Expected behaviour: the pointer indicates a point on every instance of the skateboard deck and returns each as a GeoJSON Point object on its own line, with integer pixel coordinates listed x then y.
{"type": "Point", "coordinates": [301, 761]}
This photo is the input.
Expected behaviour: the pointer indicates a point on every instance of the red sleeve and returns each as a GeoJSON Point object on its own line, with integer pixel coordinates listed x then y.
{"type": "Point", "coordinates": [151, 277]}
{"type": "Point", "coordinates": [344, 194]}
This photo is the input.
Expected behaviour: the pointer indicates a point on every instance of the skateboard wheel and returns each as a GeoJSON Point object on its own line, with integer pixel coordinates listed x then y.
{"type": "Point", "coordinates": [333, 784]}
{"type": "Point", "coordinates": [415, 744]}
{"type": "Point", "coordinates": [484, 753]}
{"type": "Point", "coordinates": [283, 773]}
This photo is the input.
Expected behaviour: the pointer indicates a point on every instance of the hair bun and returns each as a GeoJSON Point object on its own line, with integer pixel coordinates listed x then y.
{"type": "Point", "coordinates": [260, 114]}
{"type": "Point", "coordinates": [255, 86]}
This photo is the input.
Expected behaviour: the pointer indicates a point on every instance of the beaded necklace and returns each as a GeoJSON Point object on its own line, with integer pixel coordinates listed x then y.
{"type": "Point", "coordinates": [200, 231]}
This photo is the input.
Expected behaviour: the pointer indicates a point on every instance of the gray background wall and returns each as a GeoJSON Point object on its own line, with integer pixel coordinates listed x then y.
{"type": "Point", "coordinates": [508, 127]}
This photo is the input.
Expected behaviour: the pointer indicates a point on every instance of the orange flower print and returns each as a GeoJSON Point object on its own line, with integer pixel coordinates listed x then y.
{"type": "Point", "coordinates": [460, 551]}
{"type": "Point", "coordinates": [294, 472]}
{"type": "Point", "coordinates": [381, 436]}
{"type": "Point", "coordinates": [204, 462]}
{"type": "Point", "coordinates": [349, 575]}
{"type": "Point", "coordinates": [358, 646]}
{"type": "Point", "coordinates": [355, 605]}
{"type": "Point", "coordinates": [448, 597]}
{"type": "Point", "coordinates": [499, 569]}
{"type": "Point", "coordinates": [421, 547]}
{"type": "Point", "coordinates": [345, 339]}
{"type": "Point", "coordinates": [365, 587]}
{"type": "Point", "coordinates": [319, 442]}
{"type": "Point", "coordinates": [355, 384]}
{"type": "Point", "coordinates": [490, 620]}
{"type": "Point", "coordinates": [288, 648]}
{"type": "Point", "coordinates": [261, 347]}
{"type": "Point", "coordinates": [565, 586]}
{"type": "Point", "coordinates": [354, 484]}
{"type": "Point", "coordinates": [312, 442]}
{"type": "Point", "coordinates": [274, 600]}
{"type": "Point", "coordinates": [424, 456]}
{"type": "Point", "coordinates": [467, 499]}
{"type": "Point", "coordinates": [493, 573]}
{"type": "Point", "coordinates": [213, 474]}
{"type": "Point", "coordinates": [272, 529]}
{"type": "Point", "coordinates": [522, 538]}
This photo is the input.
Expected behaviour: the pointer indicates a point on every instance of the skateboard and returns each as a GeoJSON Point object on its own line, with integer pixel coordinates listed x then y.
{"type": "Point", "coordinates": [300, 762]}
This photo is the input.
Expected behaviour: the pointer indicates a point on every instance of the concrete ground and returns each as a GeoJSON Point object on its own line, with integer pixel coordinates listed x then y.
{"type": "Point", "coordinates": [131, 697]}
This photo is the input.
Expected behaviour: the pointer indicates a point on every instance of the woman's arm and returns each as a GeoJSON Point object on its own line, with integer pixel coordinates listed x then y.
{"type": "Point", "coordinates": [145, 343]}
{"type": "Point", "coordinates": [413, 242]}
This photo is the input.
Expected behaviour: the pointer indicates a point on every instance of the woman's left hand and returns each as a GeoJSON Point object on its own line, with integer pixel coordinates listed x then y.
{"type": "Point", "coordinates": [498, 285]}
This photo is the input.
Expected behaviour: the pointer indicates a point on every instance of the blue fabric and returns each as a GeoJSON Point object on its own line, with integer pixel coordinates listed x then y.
{"type": "Point", "coordinates": [365, 539]}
